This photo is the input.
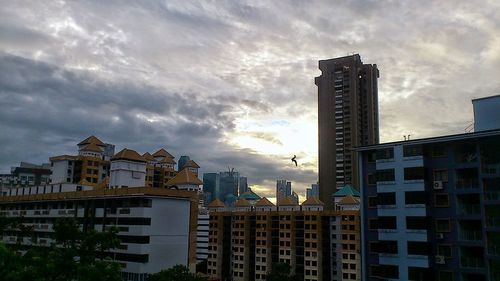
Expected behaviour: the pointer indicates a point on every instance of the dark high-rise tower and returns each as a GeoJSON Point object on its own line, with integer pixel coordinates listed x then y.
{"type": "Point", "coordinates": [347, 117]}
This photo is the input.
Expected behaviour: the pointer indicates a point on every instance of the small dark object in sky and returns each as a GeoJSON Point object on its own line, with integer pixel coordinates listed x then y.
{"type": "Point", "coordinates": [294, 161]}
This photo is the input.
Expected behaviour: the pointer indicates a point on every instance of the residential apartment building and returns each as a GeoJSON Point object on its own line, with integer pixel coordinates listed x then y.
{"type": "Point", "coordinates": [89, 167]}
{"type": "Point", "coordinates": [247, 239]}
{"type": "Point", "coordinates": [152, 221]}
{"type": "Point", "coordinates": [146, 233]}
{"type": "Point", "coordinates": [347, 118]}
{"type": "Point", "coordinates": [26, 174]}
{"type": "Point", "coordinates": [431, 208]}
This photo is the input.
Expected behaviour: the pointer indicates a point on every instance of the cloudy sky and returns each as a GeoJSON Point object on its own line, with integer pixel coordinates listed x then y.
{"type": "Point", "coordinates": [231, 83]}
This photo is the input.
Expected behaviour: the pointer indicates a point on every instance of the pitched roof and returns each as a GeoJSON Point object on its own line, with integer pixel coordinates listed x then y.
{"type": "Point", "coordinates": [128, 154]}
{"type": "Point", "coordinates": [216, 203]}
{"type": "Point", "coordinates": [185, 177]}
{"type": "Point", "coordinates": [349, 200]}
{"type": "Point", "coordinates": [92, 147]}
{"type": "Point", "coordinates": [346, 190]}
{"type": "Point", "coordinates": [312, 201]}
{"type": "Point", "coordinates": [264, 202]}
{"type": "Point", "coordinates": [242, 203]}
{"type": "Point", "coordinates": [286, 202]}
{"type": "Point", "coordinates": [63, 157]}
{"type": "Point", "coordinates": [168, 160]}
{"type": "Point", "coordinates": [249, 195]}
{"type": "Point", "coordinates": [191, 164]}
{"type": "Point", "coordinates": [162, 153]}
{"type": "Point", "coordinates": [148, 156]}
{"type": "Point", "coordinates": [92, 139]}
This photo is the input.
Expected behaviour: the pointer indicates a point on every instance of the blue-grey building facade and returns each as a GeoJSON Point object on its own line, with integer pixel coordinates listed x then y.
{"type": "Point", "coordinates": [431, 208]}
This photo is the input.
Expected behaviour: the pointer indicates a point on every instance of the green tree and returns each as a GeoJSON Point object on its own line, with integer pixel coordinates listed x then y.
{"type": "Point", "coordinates": [281, 272]}
{"type": "Point", "coordinates": [177, 273]}
{"type": "Point", "coordinates": [76, 256]}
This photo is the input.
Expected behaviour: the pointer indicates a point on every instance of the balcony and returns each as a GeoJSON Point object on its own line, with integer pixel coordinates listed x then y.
{"type": "Point", "coordinates": [492, 195]}
{"type": "Point", "coordinates": [467, 183]}
{"type": "Point", "coordinates": [494, 250]}
{"type": "Point", "coordinates": [470, 235]}
{"type": "Point", "coordinates": [493, 222]}
{"type": "Point", "coordinates": [472, 262]}
{"type": "Point", "coordinates": [469, 209]}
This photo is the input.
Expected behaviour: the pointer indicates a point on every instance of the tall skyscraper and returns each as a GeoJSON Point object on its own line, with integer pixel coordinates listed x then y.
{"type": "Point", "coordinates": [243, 185]}
{"type": "Point", "coordinates": [182, 161]}
{"type": "Point", "coordinates": [347, 117]}
{"type": "Point", "coordinates": [283, 189]}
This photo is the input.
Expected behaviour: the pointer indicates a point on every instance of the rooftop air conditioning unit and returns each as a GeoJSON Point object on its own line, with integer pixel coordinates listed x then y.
{"type": "Point", "coordinates": [440, 260]}
{"type": "Point", "coordinates": [438, 185]}
{"type": "Point", "coordinates": [440, 236]}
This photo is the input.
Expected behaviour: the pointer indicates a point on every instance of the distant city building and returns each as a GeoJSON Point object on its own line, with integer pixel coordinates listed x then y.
{"type": "Point", "coordinates": [26, 174]}
{"type": "Point", "coordinates": [243, 185]}
{"type": "Point", "coordinates": [211, 186]}
{"type": "Point", "coordinates": [486, 113]}
{"type": "Point", "coordinates": [225, 186]}
{"type": "Point", "coordinates": [347, 118]}
{"type": "Point", "coordinates": [313, 191]}
{"type": "Point", "coordinates": [247, 239]}
{"type": "Point", "coordinates": [283, 189]}
{"type": "Point", "coordinates": [182, 161]}
{"type": "Point", "coordinates": [431, 208]}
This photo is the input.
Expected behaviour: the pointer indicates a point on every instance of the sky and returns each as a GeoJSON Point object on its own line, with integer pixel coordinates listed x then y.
{"type": "Point", "coordinates": [231, 83]}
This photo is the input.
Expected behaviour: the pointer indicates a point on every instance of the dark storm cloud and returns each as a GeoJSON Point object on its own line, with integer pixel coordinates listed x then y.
{"type": "Point", "coordinates": [47, 110]}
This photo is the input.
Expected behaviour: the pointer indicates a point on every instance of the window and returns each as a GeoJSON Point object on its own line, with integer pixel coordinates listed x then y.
{"type": "Point", "coordinates": [385, 175]}
{"type": "Point", "coordinates": [419, 273]}
{"type": "Point", "coordinates": [418, 248]}
{"type": "Point", "coordinates": [443, 225]}
{"type": "Point", "coordinates": [384, 247]}
{"type": "Point", "coordinates": [415, 223]}
{"type": "Point", "coordinates": [372, 201]}
{"type": "Point", "coordinates": [441, 200]}
{"type": "Point", "coordinates": [386, 153]}
{"type": "Point", "coordinates": [386, 198]}
{"type": "Point", "coordinates": [444, 250]}
{"type": "Point", "coordinates": [415, 197]}
{"type": "Point", "coordinates": [371, 179]}
{"type": "Point", "coordinates": [438, 151]}
{"type": "Point", "coordinates": [441, 175]}
{"type": "Point", "coordinates": [414, 173]}
{"type": "Point", "coordinates": [386, 222]}
{"type": "Point", "coordinates": [384, 271]}
{"type": "Point", "coordinates": [412, 150]}
{"type": "Point", "coordinates": [445, 276]}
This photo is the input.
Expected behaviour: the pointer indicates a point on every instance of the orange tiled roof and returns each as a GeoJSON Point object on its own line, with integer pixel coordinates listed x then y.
{"type": "Point", "coordinates": [92, 139]}
{"type": "Point", "coordinates": [286, 202]}
{"type": "Point", "coordinates": [63, 157]}
{"type": "Point", "coordinates": [312, 201]}
{"type": "Point", "coordinates": [128, 154]}
{"type": "Point", "coordinates": [191, 164]}
{"type": "Point", "coordinates": [168, 160]}
{"type": "Point", "coordinates": [92, 147]}
{"type": "Point", "coordinates": [264, 202]}
{"type": "Point", "coordinates": [162, 153]}
{"type": "Point", "coordinates": [349, 200]}
{"type": "Point", "coordinates": [185, 177]}
{"type": "Point", "coordinates": [148, 156]}
{"type": "Point", "coordinates": [216, 203]}
{"type": "Point", "coordinates": [242, 203]}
